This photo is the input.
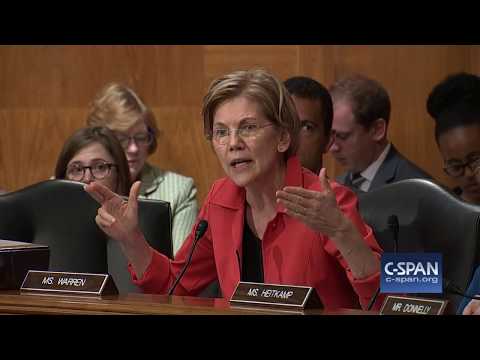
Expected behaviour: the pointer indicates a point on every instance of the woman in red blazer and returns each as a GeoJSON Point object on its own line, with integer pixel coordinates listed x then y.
{"type": "Point", "coordinates": [269, 220]}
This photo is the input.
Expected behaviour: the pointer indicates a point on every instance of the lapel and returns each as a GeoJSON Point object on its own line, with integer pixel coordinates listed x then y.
{"type": "Point", "coordinates": [151, 179]}
{"type": "Point", "coordinates": [228, 212]}
{"type": "Point", "coordinates": [227, 217]}
{"type": "Point", "coordinates": [388, 170]}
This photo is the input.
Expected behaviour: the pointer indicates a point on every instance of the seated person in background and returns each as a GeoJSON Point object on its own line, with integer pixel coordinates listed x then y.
{"type": "Point", "coordinates": [454, 104]}
{"type": "Point", "coordinates": [361, 113]}
{"type": "Point", "coordinates": [470, 306]}
{"type": "Point", "coordinates": [119, 108]}
{"type": "Point", "coordinates": [269, 220]}
{"type": "Point", "coordinates": [94, 154]}
{"type": "Point", "coordinates": [315, 110]}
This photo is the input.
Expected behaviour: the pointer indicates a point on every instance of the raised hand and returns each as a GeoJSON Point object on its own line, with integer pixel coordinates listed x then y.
{"type": "Point", "coordinates": [116, 217]}
{"type": "Point", "coordinates": [472, 308]}
{"type": "Point", "coordinates": [119, 220]}
{"type": "Point", "coordinates": [319, 210]}
{"type": "Point", "coordinates": [316, 209]}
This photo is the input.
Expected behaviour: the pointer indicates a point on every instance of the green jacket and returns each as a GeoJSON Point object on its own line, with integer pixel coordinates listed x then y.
{"type": "Point", "coordinates": [179, 191]}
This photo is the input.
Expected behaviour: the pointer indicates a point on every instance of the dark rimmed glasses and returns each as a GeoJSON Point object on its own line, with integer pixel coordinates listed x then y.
{"type": "Point", "coordinates": [458, 169]}
{"type": "Point", "coordinates": [98, 170]}
{"type": "Point", "coordinates": [142, 139]}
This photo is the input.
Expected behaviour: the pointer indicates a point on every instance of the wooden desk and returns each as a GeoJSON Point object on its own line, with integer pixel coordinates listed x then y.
{"type": "Point", "coordinates": [12, 302]}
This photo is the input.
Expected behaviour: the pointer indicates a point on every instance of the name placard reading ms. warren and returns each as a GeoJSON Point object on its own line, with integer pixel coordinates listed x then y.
{"type": "Point", "coordinates": [69, 283]}
{"type": "Point", "coordinates": [292, 297]}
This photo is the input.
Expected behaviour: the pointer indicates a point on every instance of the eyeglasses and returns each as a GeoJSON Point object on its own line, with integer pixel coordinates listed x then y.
{"type": "Point", "coordinates": [141, 139]}
{"type": "Point", "coordinates": [341, 136]}
{"type": "Point", "coordinates": [99, 171]}
{"type": "Point", "coordinates": [458, 169]}
{"type": "Point", "coordinates": [246, 131]}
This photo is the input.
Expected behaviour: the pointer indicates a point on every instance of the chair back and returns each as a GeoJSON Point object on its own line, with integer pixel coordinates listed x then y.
{"type": "Point", "coordinates": [431, 219]}
{"type": "Point", "coordinates": [60, 214]}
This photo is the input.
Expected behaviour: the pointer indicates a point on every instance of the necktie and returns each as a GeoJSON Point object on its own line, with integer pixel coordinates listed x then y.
{"type": "Point", "coordinates": [357, 180]}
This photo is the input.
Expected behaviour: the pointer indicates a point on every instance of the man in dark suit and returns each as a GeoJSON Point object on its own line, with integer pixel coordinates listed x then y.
{"type": "Point", "coordinates": [361, 112]}
{"type": "Point", "coordinates": [469, 306]}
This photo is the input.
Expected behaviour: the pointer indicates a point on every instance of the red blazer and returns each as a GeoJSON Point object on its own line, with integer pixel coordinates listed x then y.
{"type": "Point", "coordinates": [293, 254]}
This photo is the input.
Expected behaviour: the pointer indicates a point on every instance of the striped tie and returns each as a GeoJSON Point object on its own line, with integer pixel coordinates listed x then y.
{"type": "Point", "coordinates": [357, 180]}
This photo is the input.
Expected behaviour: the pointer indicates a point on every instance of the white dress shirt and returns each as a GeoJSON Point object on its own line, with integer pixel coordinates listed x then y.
{"type": "Point", "coordinates": [370, 172]}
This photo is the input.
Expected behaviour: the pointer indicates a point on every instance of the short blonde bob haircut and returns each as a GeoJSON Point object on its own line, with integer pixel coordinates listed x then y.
{"type": "Point", "coordinates": [119, 108]}
{"type": "Point", "coordinates": [261, 87]}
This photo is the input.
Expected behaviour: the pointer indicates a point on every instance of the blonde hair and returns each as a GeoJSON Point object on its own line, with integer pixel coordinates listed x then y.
{"type": "Point", "coordinates": [262, 87]}
{"type": "Point", "coordinates": [118, 107]}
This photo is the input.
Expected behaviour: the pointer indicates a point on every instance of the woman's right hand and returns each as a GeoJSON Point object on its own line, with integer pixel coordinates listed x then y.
{"type": "Point", "coordinates": [119, 220]}
{"type": "Point", "coordinates": [116, 217]}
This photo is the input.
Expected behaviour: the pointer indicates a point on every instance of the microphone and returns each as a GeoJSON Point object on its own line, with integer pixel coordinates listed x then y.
{"type": "Point", "coordinates": [394, 226]}
{"type": "Point", "coordinates": [449, 286]}
{"type": "Point", "coordinates": [199, 232]}
{"type": "Point", "coordinates": [239, 264]}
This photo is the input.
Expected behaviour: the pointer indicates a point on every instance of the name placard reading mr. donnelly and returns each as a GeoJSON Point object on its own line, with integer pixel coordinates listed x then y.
{"type": "Point", "coordinates": [69, 283]}
{"type": "Point", "coordinates": [405, 305]}
{"type": "Point", "coordinates": [292, 297]}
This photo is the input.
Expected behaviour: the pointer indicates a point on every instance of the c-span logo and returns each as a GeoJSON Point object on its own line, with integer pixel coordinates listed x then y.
{"type": "Point", "coordinates": [411, 273]}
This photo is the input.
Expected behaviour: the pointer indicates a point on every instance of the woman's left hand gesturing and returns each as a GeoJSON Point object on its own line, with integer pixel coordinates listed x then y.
{"type": "Point", "coordinates": [316, 209]}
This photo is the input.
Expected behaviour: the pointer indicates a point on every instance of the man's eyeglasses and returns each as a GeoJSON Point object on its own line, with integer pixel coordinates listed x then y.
{"type": "Point", "coordinates": [141, 139]}
{"type": "Point", "coordinates": [246, 131]}
{"type": "Point", "coordinates": [99, 171]}
{"type": "Point", "coordinates": [341, 136]}
{"type": "Point", "coordinates": [458, 169]}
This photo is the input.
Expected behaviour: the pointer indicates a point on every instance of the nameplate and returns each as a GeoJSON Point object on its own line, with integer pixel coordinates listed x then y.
{"type": "Point", "coordinates": [289, 297]}
{"type": "Point", "coordinates": [68, 283]}
{"type": "Point", "coordinates": [404, 305]}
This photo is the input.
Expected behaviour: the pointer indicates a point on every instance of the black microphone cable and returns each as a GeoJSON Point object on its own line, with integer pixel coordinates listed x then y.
{"type": "Point", "coordinates": [394, 227]}
{"type": "Point", "coordinates": [200, 230]}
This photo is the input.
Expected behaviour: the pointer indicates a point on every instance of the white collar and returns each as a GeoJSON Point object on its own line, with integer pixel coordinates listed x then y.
{"type": "Point", "coordinates": [371, 170]}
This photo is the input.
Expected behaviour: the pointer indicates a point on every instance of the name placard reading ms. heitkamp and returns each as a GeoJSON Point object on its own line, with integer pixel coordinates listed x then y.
{"type": "Point", "coordinates": [411, 273]}
{"type": "Point", "coordinates": [292, 297]}
{"type": "Point", "coordinates": [69, 283]}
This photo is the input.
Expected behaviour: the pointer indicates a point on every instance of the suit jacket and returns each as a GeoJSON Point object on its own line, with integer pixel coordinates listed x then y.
{"type": "Point", "coordinates": [394, 168]}
{"type": "Point", "coordinates": [179, 191]}
{"type": "Point", "coordinates": [473, 289]}
{"type": "Point", "coordinates": [293, 254]}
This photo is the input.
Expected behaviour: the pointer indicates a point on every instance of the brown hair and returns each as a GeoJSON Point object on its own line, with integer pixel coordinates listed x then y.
{"type": "Point", "coordinates": [86, 136]}
{"type": "Point", "coordinates": [262, 87]}
{"type": "Point", "coordinates": [118, 107]}
{"type": "Point", "coordinates": [368, 98]}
